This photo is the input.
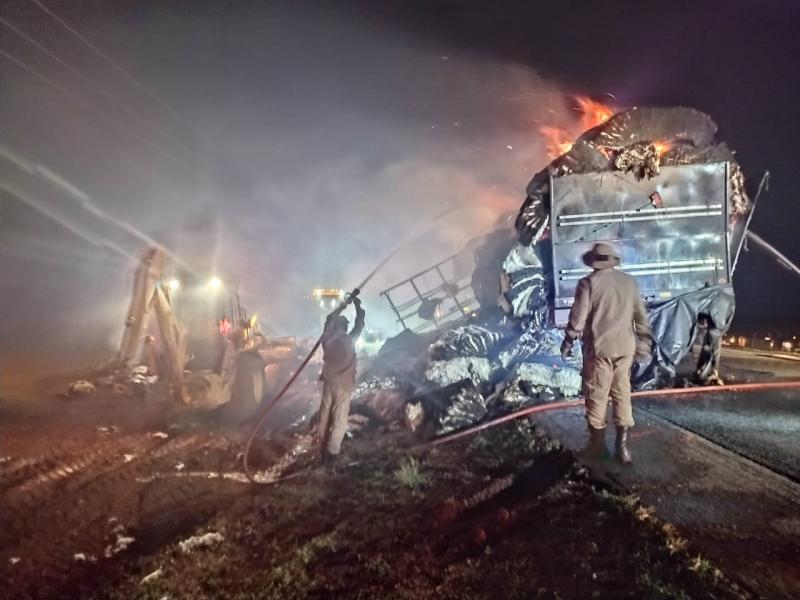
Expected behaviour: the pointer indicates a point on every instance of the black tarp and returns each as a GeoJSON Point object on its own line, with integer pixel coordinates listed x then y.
{"type": "Point", "coordinates": [675, 325]}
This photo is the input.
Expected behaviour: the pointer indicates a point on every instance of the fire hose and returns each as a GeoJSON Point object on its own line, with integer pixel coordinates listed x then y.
{"type": "Point", "coordinates": [563, 404]}
{"type": "Point", "coordinates": [265, 411]}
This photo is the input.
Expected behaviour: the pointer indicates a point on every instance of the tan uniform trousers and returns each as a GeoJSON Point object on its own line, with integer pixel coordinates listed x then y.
{"type": "Point", "coordinates": [605, 378]}
{"type": "Point", "coordinates": [333, 412]}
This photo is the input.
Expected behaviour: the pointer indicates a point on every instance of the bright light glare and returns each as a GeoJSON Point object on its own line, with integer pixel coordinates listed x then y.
{"type": "Point", "coordinates": [174, 284]}
{"type": "Point", "coordinates": [215, 283]}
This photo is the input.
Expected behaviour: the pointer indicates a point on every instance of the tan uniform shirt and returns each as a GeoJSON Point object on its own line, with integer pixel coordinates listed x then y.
{"type": "Point", "coordinates": [608, 314]}
{"type": "Point", "coordinates": [339, 351]}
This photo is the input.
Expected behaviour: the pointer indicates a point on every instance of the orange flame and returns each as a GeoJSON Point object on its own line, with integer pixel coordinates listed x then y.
{"type": "Point", "coordinates": [662, 147]}
{"type": "Point", "coordinates": [593, 113]}
{"type": "Point", "coordinates": [560, 140]}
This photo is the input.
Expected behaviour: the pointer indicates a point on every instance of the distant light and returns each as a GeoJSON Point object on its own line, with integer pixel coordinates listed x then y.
{"type": "Point", "coordinates": [334, 294]}
{"type": "Point", "coordinates": [215, 283]}
{"type": "Point", "coordinates": [767, 339]}
{"type": "Point", "coordinates": [174, 284]}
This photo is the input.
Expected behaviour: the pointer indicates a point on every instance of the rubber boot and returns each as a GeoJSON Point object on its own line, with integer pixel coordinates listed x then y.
{"type": "Point", "coordinates": [330, 461]}
{"type": "Point", "coordinates": [621, 452]}
{"type": "Point", "coordinates": [595, 448]}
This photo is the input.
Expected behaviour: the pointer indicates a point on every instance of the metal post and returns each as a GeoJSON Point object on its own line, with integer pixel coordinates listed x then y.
{"type": "Point", "coordinates": [394, 308]}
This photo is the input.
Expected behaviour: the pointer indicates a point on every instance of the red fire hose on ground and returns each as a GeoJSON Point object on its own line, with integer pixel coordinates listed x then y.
{"type": "Point", "coordinates": [555, 406]}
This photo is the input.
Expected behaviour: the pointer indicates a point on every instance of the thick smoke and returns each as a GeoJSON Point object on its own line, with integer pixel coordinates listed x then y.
{"type": "Point", "coordinates": [318, 145]}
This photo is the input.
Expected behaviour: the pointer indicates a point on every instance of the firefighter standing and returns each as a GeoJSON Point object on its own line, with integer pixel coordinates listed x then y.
{"type": "Point", "coordinates": [609, 316]}
{"type": "Point", "coordinates": [338, 376]}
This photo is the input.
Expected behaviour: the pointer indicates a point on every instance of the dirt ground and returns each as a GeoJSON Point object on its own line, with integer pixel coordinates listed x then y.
{"type": "Point", "coordinates": [97, 492]}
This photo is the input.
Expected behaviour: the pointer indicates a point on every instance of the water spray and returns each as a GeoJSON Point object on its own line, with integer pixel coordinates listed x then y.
{"type": "Point", "coordinates": [55, 181]}
{"type": "Point", "coordinates": [779, 256]}
{"type": "Point", "coordinates": [47, 212]}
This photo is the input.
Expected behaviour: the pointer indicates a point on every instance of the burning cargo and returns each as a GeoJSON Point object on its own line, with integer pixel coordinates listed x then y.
{"type": "Point", "coordinates": [654, 183]}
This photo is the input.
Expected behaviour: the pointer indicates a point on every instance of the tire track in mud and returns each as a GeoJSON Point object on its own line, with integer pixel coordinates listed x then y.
{"type": "Point", "coordinates": [62, 471]}
{"type": "Point", "coordinates": [15, 470]}
{"type": "Point", "coordinates": [69, 502]}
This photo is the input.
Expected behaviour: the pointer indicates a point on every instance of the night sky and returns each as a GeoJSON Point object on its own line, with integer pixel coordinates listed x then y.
{"type": "Point", "coordinates": [736, 61]}
{"type": "Point", "coordinates": [309, 135]}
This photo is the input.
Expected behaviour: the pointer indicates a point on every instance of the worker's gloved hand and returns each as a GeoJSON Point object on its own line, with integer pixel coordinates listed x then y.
{"type": "Point", "coordinates": [353, 296]}
{"type": "Point", "coordinates": [356, 301]}
{"type": "Point", "coordinates": [566, 348]}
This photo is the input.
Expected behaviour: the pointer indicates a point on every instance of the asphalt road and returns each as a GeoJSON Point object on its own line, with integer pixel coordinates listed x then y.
{"type": "Point", "coordinates": [761, 425]}
{"type": "Point", "coordinates": [745, 365]}
{"type": "Point", "coordinates": [740, 515]}
{"type": "Point", "coordinates": [722, 467]}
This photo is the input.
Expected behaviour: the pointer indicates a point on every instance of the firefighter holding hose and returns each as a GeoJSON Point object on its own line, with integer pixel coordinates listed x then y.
{"type": "Point", "coordinates": [338, 376]}
{"type": "Point", "coordinates": [610, 318]}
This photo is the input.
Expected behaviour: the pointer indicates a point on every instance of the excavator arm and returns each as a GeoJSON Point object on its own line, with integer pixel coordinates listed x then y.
{"type": "Point", "coordinates": [149, 295]}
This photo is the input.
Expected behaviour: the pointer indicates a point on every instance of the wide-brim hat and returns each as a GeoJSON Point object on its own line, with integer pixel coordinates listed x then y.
{"type": "Point", "coordinates": [601, 256]}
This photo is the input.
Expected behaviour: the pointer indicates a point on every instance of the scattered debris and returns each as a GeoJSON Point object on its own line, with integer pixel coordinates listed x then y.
{"type": "Point", "coordinates": [108, 430]}
{"type": "Point", "coordinates": [128, 457]}
{"type": "Point", "coordinates": [642, 159]}
{"type": "Point", "coordinates": [82, 557]}
{"type": "Point", "coordinates": [539, 346]}
{"type": "Point", "coordinates": [258, 477]}
{"type": "Point", "coordinates": [158, 434]}
{"type": "Point", "coordinates": [523, 286]}
{"type": "Point", "coordinates": [512, 395]}
{"type": "Point", "coordinates": [179, 466]}
{"type": "Point", "coordinates": [141, 376]}
{"type": "Point", "coordinates": [301, 445]}
{"type": "Point", "coordinates": [564, 379]}
{"type": "Point", "coordinates": [450, 407]}
{"type": "Point", "coordinates": [446, 372]}
{"type": "Point", "coordinates": [14, 560]}
{"type": "Point", "coordinates": [105, 381]}
{"type": "Point", "coordinates": [470, 340]}
{"type": "Point", "coordinates": [81, 387]}
{"type": "Point", "coordinates": [356, 423]}
{"type": "Point", "coordinates": [122, 542]}
{"type": "Point", "coordinates": [468, 407]}
{"type": "Point", "coordinates": [381, 400]}
{"type": "Point", "coordinates": [151, 577]}
{"type": "Point", "coordinates": [200, 541]}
